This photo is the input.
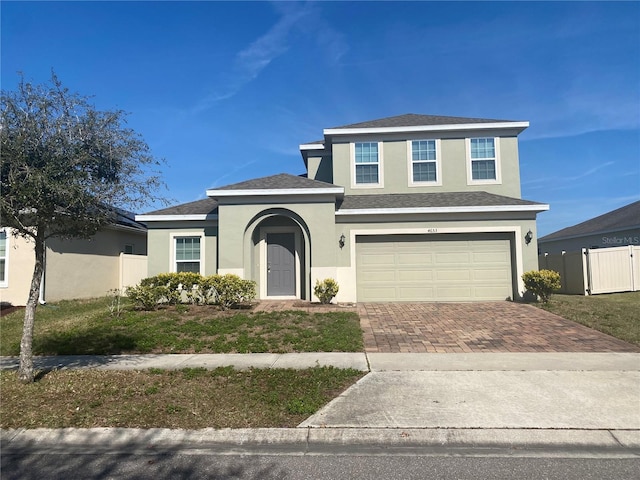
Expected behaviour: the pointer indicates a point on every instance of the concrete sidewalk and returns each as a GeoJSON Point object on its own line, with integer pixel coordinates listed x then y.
{"type": "Point", "coordinates": [578, 402]}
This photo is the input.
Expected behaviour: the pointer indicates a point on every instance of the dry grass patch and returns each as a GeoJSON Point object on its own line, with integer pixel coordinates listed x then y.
{"type": "Point", "coordinates": [190, 398]}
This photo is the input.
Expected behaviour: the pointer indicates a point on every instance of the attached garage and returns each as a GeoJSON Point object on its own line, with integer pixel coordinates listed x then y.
{"type": "Point", "coordinates": [435, 267]}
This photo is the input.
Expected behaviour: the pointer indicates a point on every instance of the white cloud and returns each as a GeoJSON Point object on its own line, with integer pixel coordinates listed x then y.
{"type": "Point", "coordinates": [251, 61]}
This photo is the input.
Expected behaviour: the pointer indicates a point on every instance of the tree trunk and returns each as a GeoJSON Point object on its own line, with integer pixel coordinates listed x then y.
{"type": "Point", "coordinates": [26, 373]}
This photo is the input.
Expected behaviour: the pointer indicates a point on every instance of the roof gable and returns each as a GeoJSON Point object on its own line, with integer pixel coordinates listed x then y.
{"type": "Point", "coordinates": [277, 182]}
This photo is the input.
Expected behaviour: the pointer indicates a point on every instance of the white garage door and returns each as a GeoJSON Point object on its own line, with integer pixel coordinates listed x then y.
{"type": "Point", "coordinates": [453, 267]}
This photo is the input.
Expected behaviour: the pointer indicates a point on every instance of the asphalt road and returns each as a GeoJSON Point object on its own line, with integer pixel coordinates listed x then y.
{"type": "Point", "coordinates": [187, 465]}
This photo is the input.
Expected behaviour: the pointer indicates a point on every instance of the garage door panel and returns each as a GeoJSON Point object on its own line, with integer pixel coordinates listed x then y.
{"type": "Point", "coordinates": [453, 293]}
{"type": "Point", "coordinates": [490, 257]}
{"type": "Point", "coordinates": [483, 274]}
{"type": "Point", "coordinates": [461, 258]}
{"type": "Point", "coordinates": [453, 275]}
{"type": "Point", "coordinates": [491, 293]}
{"type": "Point", "coordinates": [379, 259]}
{"type": "Point", "coordinates": [408, 294]}
{"type": "Point", "coordinates": [414, 259]}
{"type": "Point", "coordinates": [450, 267]}
{"type": "Point", "coordinates": [415, 275]}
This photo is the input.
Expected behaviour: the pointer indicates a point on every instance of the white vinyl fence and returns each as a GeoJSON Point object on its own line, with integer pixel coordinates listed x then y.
{"type": "Point", "coordinates": [593, 271]}
{"type": "Point", "coordinates": [133, 268]}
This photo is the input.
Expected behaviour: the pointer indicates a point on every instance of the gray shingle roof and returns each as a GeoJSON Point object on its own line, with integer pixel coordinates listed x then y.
{"type": "Point", "coordinates": [428, 200]}
{"type": "Point", "coordinates": [415, 120]}
{"type": "Point", "coordinates": [199, 207]}
{"type": "Point", "coordinates": [624, 217]}
{"type": "Point", "coordinates": [277, 182]}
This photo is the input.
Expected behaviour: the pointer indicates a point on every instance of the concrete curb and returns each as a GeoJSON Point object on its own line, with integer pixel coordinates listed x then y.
{"type": "Point", "coordinates": [305, 441]}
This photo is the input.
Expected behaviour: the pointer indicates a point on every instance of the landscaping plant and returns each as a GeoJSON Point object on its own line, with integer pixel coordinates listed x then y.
{"type": "Point", "coordinates": [542, 283]}
{"type": "Point", "coordinates": [326, 290]}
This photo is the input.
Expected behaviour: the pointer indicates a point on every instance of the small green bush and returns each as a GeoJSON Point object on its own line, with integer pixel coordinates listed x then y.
{"type": "Point", "coordinates": [230, 290]}
{"type": "Point", "coordinates": [542, 283]}
{"type": "Point", "coordinates": [326, 290]}
{"type": "Point", "coordinates": [146, 297]}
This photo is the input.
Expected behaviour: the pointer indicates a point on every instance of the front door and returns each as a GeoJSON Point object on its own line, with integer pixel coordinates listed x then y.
{"type": "Point", "coordinates": [281, 265]}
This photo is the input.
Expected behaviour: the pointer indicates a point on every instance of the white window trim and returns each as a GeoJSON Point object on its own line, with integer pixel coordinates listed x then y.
{"type": "Point", "coordinates": [438, 181]}
{"type": "Point", "coordinates": [173, 267]}
{"type": "Point", "coordinates": [263, 260]}
{"type": "Point", "coordinates": [5, 283]}
{"type": "Point", "coordinates": [380, 184]}
{"type": "Point", "coordinates": [470, 180]}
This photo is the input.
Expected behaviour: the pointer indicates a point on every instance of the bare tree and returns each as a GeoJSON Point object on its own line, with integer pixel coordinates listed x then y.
{"type": "Point", "coordinates": [65, 168]}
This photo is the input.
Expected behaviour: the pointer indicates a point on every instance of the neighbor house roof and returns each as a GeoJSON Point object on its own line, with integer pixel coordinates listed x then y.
{"type": "Point", "coordinates": [434, 202]}
{"type": "Point", "coordinates": [622, 218]}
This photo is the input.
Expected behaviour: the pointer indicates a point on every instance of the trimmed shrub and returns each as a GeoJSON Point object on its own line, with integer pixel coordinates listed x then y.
{"type": "Point", "coordinates": [174, 288]}
{"type": "Point", "coordinates": [229, 290]}
{"type": "Point", "coordinates": [542, 283]}
{"type": "Point", "coordinates": [146, 297]}
{"type": "Point", "coordinates": [326, 290]}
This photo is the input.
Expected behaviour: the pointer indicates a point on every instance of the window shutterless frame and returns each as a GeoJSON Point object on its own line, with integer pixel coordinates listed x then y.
{"type": "Point", "coordinates": [483, 160]}
{"type": "Point", "coordinates": [187, 252]}
{"type": "Point", "coordinates": [423, 162]}
{"type": "Point", "coordinates": [366, 164]}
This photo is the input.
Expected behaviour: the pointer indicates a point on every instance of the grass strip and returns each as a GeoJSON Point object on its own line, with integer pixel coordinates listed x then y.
{"type": "Point", "coordinates": [190, 398]}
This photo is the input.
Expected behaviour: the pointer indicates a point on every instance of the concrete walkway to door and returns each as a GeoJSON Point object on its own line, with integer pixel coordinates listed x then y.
{"type": "Point", "coordinates": [477, 327]}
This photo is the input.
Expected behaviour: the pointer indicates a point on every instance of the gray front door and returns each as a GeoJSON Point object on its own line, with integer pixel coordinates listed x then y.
{"type": "Point", "coordinates": [281, 265]}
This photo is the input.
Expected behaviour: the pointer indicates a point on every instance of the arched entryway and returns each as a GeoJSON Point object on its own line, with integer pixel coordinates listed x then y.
{"type": "Point", "coordinates": [279, 244]}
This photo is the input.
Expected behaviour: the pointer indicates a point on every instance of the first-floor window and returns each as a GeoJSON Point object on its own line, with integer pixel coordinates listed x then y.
{"type": "Point", "coordinates": [3, 257]}
{"type": "Point", "coordinates": [188, 254]}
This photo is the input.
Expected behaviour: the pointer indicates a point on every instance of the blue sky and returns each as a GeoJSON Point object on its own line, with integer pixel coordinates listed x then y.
{"type": "Point", "coordinates": [227, 91]}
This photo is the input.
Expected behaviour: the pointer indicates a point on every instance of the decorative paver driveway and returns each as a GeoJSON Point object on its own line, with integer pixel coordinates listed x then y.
{"type": "Point", "coordinates": [477, 327]}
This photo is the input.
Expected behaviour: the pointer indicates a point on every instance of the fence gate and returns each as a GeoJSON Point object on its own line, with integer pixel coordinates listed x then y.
{"type": "Point", "coordinates": [610, 270]}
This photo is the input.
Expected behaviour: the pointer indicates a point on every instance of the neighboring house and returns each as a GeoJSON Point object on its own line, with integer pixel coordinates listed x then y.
{"type": "Point", "coordinates": [74, 268]}
{"type": "Point", "coordinates": [617, 228]}
{"type": "Point", "coordinates": [406, 208]}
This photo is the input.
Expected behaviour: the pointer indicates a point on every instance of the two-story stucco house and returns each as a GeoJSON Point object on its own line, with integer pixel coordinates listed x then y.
{"type": "Point", "coordinates": [406, 208]}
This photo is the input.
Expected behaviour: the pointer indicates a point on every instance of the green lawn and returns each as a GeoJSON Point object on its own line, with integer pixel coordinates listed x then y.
{"type": "Point", "coordinates": [616, 314]}
{"type": "Point", "coordinates": [87, 327]}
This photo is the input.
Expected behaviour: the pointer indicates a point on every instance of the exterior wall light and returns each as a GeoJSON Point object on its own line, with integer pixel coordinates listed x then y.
{"type": "Point", "coordinates": [528, 237]}
{"type": "Point", "coordinates": [341, 241]}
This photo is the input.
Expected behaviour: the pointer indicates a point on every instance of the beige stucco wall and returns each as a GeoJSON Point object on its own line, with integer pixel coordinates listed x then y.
{"type": "Point", "coordinates": [160, 244]}
{"type": "Point", "coordinates": [453, 164]}
{"type": "Point", "coordinates": [78, 268]}
{"type": "Point", "coordinates": [603, 240]}
{"type": "Point", "coordinates": [20, 263]}
{"type": "Point", "coordinates": [74, 268]}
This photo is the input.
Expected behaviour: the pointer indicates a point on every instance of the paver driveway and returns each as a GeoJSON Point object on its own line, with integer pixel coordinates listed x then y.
{"type": "Point", "coordinates": [477, 327]}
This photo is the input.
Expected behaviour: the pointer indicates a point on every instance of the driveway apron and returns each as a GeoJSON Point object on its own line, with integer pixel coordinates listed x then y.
{"type": "Point", "coordinates": [477, 327]}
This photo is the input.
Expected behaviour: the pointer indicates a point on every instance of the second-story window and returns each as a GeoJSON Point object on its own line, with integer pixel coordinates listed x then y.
{"type": "Point", "coordinates": [423, 161]}
{"type": "Point", "coordinates": [367, 163]}
{"type": "Point", "coordinates": [483, 158]}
